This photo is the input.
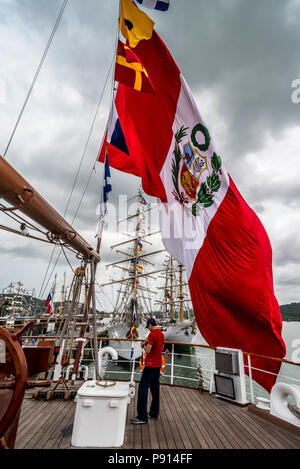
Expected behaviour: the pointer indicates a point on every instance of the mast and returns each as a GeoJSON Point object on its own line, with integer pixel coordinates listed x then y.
{"type": "Point", "coordinates": [171, 288]}
{"type": "Point", "coordinates": [53, 292]}
{"type": "Point", "coordinates": [62, 300]}
{"type": "Point", "coordinates": [89, 296]}
{"type": "Point", "coordinates": [19, 285]}
{"type": "Point", "coordinates": [180, 294]}
{"type": "Point", "coordinates": [132, 295]}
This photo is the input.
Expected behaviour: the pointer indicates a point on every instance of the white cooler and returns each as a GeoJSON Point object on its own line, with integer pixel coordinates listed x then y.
{"type": "Point", "coordinates": [100, 414]}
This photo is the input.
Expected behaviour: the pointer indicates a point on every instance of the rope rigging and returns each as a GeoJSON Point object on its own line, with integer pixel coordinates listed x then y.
{"type": "Point", "coordinates": [43, 288]}
{"type": "Point", "coordinates": [36, 74]}
{"type": "Point", "coordinates": [46, 278]}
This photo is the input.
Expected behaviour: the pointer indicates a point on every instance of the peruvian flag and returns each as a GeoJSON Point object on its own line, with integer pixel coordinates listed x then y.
{"type": "Point", "coordinates": [205, 222]}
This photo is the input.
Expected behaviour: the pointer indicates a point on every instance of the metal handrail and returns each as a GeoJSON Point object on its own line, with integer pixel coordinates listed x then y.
{"type": "Point", "coordinates": [174, 366]}
{"type": "Point", "coordinates": [251, 354]}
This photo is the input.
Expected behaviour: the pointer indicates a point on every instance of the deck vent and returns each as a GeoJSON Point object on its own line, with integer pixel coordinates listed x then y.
{"type": "Point", "coordinates": [227, 361]}
{"type": "Point", "coordinates": [230, 375]}
{"type": "Point", "coordinates": [224, 386]}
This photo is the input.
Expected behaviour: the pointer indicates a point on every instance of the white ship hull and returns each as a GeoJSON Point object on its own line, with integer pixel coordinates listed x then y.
{"type": "Point", "coordinates": [120, 331]}
{"type": "Point", "coordinates": [183, 332]}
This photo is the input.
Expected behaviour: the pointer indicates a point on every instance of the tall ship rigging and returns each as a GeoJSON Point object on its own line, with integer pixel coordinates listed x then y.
{"type": "Point", "coordinates": [175, 307]}
{"type": "Point", "coordinates": [134, 292]}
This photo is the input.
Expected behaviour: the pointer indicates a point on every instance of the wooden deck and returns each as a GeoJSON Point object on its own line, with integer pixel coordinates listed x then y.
{"type": "Point", "coordinates": [188, 420]}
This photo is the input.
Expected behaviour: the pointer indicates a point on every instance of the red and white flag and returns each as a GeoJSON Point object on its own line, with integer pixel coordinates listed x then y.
{"type": "Point", "coordinates": [205, 222]}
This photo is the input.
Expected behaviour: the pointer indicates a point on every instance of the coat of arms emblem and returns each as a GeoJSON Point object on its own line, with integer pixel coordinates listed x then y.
{"type": "Point", "coordinates": [187, 168]}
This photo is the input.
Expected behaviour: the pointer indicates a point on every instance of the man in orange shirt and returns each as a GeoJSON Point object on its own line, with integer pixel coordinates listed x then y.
{"type": "Point", "coordinates": [151, 374]}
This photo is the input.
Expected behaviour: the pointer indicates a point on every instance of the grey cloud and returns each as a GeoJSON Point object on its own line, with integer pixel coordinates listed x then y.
{"type": "Point", "coordinates": [287, 251]}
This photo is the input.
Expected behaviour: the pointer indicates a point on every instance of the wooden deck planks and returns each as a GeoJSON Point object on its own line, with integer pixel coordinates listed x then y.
{"type": "Point", "coordinates": [164, 425]}
{"type": "Point", "coordinates": [188, 420]}
{"type": "Point", "coordinates": [223, 427]}
{"type": "Point", "coordinates": [170, 419]}
{"type": "Point", "coordinates": [54, 434]}
{"type": "Point", "coordinates": [50, 410]}
{"type": "Point", "coordinates": [187, 434]}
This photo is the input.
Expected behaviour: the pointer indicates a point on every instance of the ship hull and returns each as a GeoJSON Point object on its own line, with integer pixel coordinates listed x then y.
{"type": "Point", "coordinates": [183, 333]}
{"type": "Point", "coordinates": [120, 331]}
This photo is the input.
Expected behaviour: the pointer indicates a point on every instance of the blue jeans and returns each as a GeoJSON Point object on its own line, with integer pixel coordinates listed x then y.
{"type": "Point", "coordinates": [149, 379]}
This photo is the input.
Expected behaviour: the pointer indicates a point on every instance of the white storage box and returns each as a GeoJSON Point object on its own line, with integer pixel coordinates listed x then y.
{"type": "Point", "coordinates": [100, 414]}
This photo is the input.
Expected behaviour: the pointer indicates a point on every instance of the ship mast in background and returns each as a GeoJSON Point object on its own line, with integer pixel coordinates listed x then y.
{"type": "Point", "coordinates": [134, 300]}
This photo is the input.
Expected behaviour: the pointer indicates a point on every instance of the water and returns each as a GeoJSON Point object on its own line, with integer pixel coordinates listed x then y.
{"type": "Point", "coordinates": [187, 361]}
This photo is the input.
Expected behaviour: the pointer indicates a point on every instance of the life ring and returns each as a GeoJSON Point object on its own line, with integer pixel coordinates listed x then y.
{"type": "Point", "coordinates": [163, 365]}
{"type": "Point", "coordinates": [143, 363]}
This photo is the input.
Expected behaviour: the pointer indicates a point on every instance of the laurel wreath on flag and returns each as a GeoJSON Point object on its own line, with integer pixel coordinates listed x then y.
{"type": "Point", "coordinates": [208, 187]}
{"type": "Point", "coordinates": [179, 196]}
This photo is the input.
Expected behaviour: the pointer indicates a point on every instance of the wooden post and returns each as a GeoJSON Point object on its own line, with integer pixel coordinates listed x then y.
{"type": "Point", "coordinates": [87, 308]}
{"type": "Point", "coordinates": [172, 298]}
{"type": "Point", "coordinates": [93, 268]}
{"type": "Point", "coordinates": [181, 295]}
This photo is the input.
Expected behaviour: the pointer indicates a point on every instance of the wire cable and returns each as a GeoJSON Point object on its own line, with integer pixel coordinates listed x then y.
{"type": "Point", "coordinates": [29, 224]}
{"type": "Point", "coordinates": [37, 74]}
{"type": "Point", "coordinates": [42, 291]}
{"type": "Point", "coordinates": [94, 165]}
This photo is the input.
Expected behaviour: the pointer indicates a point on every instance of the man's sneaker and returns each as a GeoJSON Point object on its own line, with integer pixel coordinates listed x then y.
{"type": "Point", "coordinates": [137, 421]}
{"type": "Point", "coordinates": [152, 418]}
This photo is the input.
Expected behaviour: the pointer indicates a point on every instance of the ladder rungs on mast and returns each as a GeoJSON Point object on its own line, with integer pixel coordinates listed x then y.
{"type": "Point", "coordinates": [172, 302]}
{"type": "Point", "coordinates": [131, 278]}
{"type": "Point", "coordinates": [130, 256]}
{"type": "Point", "coordinates": [139, 287]}
{"type": "Point", "coordinates": [135, 215]}
{"type": "Point", "coordinates": [134, 257]}
{"type": "Point", "coordinates": [175, 285]}
{"type": "Point", "coordinates": [134, 239]}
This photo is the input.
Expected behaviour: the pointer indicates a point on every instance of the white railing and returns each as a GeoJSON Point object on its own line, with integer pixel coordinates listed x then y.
{"type": "Point", "coordinates": [174, 373]}
{"type": "Point", "coordinates": [178, 374]}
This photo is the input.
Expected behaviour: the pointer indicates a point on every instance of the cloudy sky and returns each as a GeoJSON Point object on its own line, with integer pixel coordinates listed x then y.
{"type": "Point", "coordinates": [240, 59]}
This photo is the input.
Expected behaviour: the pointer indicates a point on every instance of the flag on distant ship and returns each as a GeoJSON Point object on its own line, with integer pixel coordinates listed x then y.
{"type": "Point", "coordinates": [135, 25]}
{"type": "Point", "coordinates": [133, 261]}
{"type": "Point", "coordinates": [106, 188]}
{"type": "Point", "coordinates": [48, 304]}
{"type": "Point", "coordinates": [212, 230]}
{"type": "Point", "coordinates": [131, 334]}
{"type": "Point", "coordinates": [161, 5]}
{"type": "Point", "coordinates": [142, 200]}
{"type": "Point", "coordinates": [139, 267]}
{"type": "Point", "coordinates": [132, 329]}
{"type": "Point", "coordinates": [130, 71]}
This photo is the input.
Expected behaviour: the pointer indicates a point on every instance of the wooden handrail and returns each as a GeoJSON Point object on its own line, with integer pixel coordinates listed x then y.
{"type": "Point", "coordinates": [282, 360]}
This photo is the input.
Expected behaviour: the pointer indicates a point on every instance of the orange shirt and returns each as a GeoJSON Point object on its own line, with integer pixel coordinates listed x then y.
{"type": "Point", "coordinates": [156, 339]}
